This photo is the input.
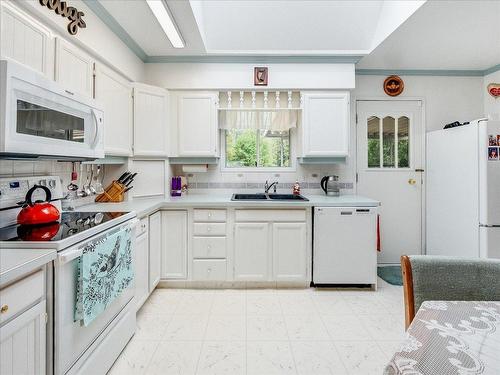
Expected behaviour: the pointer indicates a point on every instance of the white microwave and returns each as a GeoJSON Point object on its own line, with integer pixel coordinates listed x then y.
{"type": "Point", "coordinates": [39, 118]}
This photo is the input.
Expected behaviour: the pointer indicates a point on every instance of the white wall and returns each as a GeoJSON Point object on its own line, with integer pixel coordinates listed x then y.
{"type": "Point", "coordinates": [96, 38]}
{"type": "Point", "coordinates": [447, 99]}
{"type": "Point", "coordinates": [491, 105]}
{"type": "Point", "coordinates": [212, 76]}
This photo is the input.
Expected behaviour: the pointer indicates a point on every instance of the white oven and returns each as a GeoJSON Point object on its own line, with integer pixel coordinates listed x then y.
{"type": "Point", "coordinates": [40, 118]}
{"type": "Point", "coordinates": [80, 349]}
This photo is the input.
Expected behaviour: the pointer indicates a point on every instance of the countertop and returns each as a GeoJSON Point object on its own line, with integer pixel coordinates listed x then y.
{"type": "Point", "coordinates": [15, 263]}
{"type": "Point", "coordinates": [145, 206]}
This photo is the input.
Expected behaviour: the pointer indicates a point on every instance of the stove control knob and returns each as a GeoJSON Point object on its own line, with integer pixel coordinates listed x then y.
{"type": "Point", "coordinates": [52, 183]}
{"type": "Point", "coordinates": [98, 218]}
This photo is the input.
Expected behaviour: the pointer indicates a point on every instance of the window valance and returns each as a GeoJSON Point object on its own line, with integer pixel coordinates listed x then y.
{"type": "Point", "coordinates": [258, 119]}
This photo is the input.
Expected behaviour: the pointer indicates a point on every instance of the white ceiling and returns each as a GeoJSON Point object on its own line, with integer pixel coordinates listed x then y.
{"type": "Point", "coordinates": [139, 22]}
{"type": "Point", "coordinates": [390, 34]}
{"type": "Point", "coordinates": [442, 35]}
{"type": "Point", "coordinates": [265, 27]}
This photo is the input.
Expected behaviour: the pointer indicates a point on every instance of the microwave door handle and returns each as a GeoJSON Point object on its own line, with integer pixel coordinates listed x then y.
{"type": "Point", "coordinates": [96, 128]}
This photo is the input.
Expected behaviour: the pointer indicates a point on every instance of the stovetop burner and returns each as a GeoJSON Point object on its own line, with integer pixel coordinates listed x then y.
{"type": "Point", "coordinates": [70, 224]}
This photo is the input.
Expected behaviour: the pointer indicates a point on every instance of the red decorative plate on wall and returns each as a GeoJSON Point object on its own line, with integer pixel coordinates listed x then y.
{"type": "Point", "coordinates": [393, 85]}
{"type": "Point", "coordinates": [494, 89]}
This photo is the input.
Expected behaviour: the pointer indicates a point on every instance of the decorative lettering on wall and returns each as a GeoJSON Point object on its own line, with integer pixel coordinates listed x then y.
{"type": "Point", "coordinates": [71, 13]}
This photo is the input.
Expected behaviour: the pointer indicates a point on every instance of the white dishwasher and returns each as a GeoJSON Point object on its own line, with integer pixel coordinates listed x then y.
{"type": "Point", "coordinates": [345, 246]}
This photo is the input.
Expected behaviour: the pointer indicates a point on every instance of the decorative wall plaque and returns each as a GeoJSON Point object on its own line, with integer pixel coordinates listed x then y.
{"type": "Point", "coordinates": [260, 76]}
{"type": "Point", "coordinates": [393, 85]}
{"type": "Point", "coordinates": [71, 13]}
{"type": "Point", "coordinates": [494, 89]}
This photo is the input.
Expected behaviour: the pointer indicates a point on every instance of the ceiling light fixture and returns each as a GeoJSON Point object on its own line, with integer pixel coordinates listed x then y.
{"type": "Point", "coordinates": [162, 14]}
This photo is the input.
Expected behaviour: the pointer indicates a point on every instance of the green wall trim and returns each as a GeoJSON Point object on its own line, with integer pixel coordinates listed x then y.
{"type": "Point", "coordinates": [493, 69]}
{"type": "Point", "coordinates": [113, 24]}
{"type": "Point", "coordinates": [257, 59]}
{"type": "Point", "coordinates": [418, 72]}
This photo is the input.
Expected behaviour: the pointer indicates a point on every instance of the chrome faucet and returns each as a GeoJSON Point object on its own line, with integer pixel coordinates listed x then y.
{"type": "Point", "coordinates": [268, 187]}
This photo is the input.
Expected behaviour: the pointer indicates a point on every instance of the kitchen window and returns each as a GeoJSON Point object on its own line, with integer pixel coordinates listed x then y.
{"type": "Point", "coordinates": [251, 148]}
{"type": "Point", "coordinates": [257, 139]}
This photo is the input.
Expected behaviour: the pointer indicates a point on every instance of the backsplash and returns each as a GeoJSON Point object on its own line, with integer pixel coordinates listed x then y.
{"type": "Point", "coordinates": [309, 177]}
{"type": "Point", "coordinates": [10, 168]}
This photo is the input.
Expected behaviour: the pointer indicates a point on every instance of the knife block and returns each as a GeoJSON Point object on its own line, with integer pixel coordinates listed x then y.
{"type": "Point", "coordinates": [113, 193]}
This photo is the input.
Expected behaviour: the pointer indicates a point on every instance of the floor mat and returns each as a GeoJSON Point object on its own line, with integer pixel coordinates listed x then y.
{"type": "Point", "coordinates": [391, 274]}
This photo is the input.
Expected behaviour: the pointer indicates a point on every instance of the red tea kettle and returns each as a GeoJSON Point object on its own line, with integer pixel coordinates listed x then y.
{"type": "Point", "coordinates": [38, 212]}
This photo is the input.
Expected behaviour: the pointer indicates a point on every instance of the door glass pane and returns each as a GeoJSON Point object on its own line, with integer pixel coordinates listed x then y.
{"type": "Point", "coordinates": [403, 142]}
{"type": "Point", "coordinates": [388, 129]}
{"type": "Point", "coordinates": [39, 121]}
{"type": "Point", "coordinates": [373, 142]}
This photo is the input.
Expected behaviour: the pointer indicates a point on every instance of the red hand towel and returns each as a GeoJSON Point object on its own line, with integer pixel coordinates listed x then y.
{"type": "Point", "coordinates": [378, 233]}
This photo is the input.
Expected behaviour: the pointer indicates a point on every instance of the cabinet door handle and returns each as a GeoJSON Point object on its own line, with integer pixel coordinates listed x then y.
{"type": "Point", "coordinates": [4, 309]}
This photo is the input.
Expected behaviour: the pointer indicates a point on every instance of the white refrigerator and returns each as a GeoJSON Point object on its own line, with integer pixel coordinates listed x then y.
{"type": "Point", "coordinates": [463, 190]}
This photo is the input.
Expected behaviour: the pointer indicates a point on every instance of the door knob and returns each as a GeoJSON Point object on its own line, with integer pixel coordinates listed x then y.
{"type": "Point", "coordinates": [412, 181]}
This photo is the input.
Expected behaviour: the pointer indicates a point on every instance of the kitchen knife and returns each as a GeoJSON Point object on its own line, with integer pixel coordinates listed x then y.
{"type": "Point", "coordinates": [123, 176]}
{"type": "Point", "coordinates": [129, 179]}
{"type": "Point", "coordinates": [127, 189]}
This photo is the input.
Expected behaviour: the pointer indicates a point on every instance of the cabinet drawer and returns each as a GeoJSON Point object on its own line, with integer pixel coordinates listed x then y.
{"type": "Point", "coordinates": [209, 229]}
{"type": "Point", "coordinates": [209, 215]}
{"type": "Point", "coordinates": [209, 247]}
{"type": "Point", "coordinates": [143, 226]}
{"type": "Point", "coordinates": [20, 295]}
{"type": "Point", "coordinates": [209, 269]}
{"type": "Point", "coordinates": [270, 215]}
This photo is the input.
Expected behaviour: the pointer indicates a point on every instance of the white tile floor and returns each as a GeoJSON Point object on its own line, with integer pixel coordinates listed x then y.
{"type": "Point", "coordinates": [265, 332]}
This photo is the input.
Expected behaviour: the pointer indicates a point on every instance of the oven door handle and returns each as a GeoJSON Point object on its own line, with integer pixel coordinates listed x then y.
{"type": "Point", "coordinates": [69, 256]}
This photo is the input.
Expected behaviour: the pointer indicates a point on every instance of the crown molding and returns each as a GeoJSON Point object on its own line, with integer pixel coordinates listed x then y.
{"type": "Point", "coordinates": [115, 27]}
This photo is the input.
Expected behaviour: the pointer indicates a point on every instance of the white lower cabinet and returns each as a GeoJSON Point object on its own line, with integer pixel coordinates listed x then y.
{"type": "Point", "coordinates": [252, 255]}
{"type": "Point", "coordinates": [141, 269]}
{"type": "Point", "coordinates": [276, 249]}
{"type": "Point", "coordinates": [209, 269]}
{"type": "Point", "coordinates": [174, 245]}
{"type": "Point", "coordinates": [154, 250]}
{"type": "Point", "coordinates": [289, 255]}
{"type": "Point", "coordinates": [22, 343]}
{"type": "Point", "coordinates": [235, 245]}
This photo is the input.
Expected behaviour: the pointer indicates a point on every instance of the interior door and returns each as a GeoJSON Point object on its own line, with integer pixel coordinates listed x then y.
{"type": "Point", "coordinates": [390, 169]}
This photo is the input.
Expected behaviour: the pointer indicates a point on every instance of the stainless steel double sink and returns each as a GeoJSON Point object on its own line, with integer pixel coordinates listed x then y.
{"type": "Point", "coordinates": [268, 197]}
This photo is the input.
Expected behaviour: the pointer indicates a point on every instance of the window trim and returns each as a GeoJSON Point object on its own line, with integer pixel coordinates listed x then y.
{"type": "Point", "coordinates": [291, 168]}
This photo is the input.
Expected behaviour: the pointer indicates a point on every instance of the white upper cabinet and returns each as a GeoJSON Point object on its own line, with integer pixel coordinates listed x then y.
{"type": "Point", "coordinates": [25, 40]}
{"type": "Point", "coordinates": [74, 69]}
{"type": "Point", "coordinates": [150, 120]}
{"type": "Point", "coordinates": [197, 124]}
{"type": "Point", "coordinates": [115, 93]}
{"type": "Point", "coordinates": [325, 124]}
